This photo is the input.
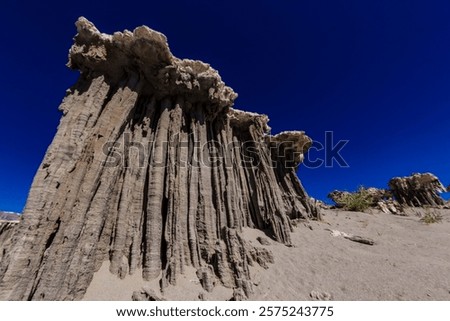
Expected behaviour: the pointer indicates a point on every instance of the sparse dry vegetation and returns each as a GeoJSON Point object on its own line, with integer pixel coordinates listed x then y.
{"type": "Point", "coordinates": [358, 201]}
{"type": "Point", "coordinates": [431, 217]}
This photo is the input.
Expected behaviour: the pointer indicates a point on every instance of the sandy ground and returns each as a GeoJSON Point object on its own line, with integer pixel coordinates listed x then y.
{"type": "Point", "coordinates": [410, 260]}
{"type": "Point", "coordinates": [106, 286]}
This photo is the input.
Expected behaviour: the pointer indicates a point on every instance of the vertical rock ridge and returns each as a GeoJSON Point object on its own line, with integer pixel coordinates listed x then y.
{"type": "Point", "coordinates": [153, 170]}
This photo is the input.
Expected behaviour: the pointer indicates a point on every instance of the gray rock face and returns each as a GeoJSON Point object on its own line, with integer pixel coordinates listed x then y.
{"type": "Point", "coordinates": [320, 296]}
{"type": "Point", "coordinates": [390, 206]}
{"type": "Point", "coordinates": [417, 190]}
{"type": "Point", "coordinates": [151, 168]}
{"type": "Point", "coordinates": [8, 223]}
{"type": "Point", "coordinates": [7, 229]}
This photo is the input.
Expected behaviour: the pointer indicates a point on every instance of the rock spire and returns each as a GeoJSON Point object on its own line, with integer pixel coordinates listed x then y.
{"type": "Point", "coordinates": [152, 170]}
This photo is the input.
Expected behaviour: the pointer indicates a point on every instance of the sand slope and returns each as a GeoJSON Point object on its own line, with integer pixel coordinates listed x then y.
{"type": "Point", "coordinates": [409, 261]}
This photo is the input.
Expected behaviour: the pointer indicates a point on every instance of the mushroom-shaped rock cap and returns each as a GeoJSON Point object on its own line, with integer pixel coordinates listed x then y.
{"type": "Point", "coordinates": [145, 53]}
{"type": "Point", "coordinates": [291, 145]}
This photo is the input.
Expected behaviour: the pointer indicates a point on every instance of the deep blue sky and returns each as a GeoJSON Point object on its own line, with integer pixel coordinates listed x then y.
{"type": "Point", "coordinates": [377, 73]}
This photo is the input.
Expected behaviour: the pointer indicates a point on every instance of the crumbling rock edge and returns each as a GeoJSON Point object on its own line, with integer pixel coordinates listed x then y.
{"type": "Point", "coordinates": [146, 54]}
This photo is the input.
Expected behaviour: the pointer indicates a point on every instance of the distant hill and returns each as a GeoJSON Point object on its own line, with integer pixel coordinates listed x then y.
{"type": "Point", "coordinates": [9, 216]}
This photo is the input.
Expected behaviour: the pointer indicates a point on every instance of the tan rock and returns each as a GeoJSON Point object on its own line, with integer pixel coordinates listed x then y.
{"type": "Point", "coordinates": [7, 228]}
{"type": "Point", "coordinates": [417, 190]}
{"type": "Point", "coordinates": [152, 170]}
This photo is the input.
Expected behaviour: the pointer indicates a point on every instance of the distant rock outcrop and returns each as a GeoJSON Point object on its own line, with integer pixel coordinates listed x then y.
{"type": "Point", "coordinates": [417, 190]}
{"type": "Point", "coordinates": [152, 169]}
{"type": "Point", "coordinates": [364, 198]}
{"type": "Point", "coordinates": [9, 216]}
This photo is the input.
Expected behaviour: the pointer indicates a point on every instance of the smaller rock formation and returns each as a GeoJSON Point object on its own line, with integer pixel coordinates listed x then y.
{"type": "Point", "coordinates": [374, 195]}
{"type": "Point", "coordinates": [289, 146]}
{"type": "Point", "coordinates": [338, 197]}
{"type": "Point", "coordinates": [417, 190]}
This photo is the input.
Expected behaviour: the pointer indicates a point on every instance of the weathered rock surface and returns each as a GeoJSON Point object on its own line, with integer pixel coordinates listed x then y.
{"type": "Point", "coordinates": [390, 206]}
{"type": "Point", "coordinates": [338, 197]}
{"type": "Point", "coordinates": [206, 276]}
{"type": "Point", "coordinates": [7, 229]}
{"type": "Point", "coordinates": [417, 190]}
{"type": "Point", "coordinates": [321, 204]}
{"type": "Point", "coordinates": [238, 295]}
{"type": "Point", "coordinates": [152, 170]}
{"type": "Point", "coordinates": [261, 256]}
{"type": "Point", "coordinates": [8, 222]}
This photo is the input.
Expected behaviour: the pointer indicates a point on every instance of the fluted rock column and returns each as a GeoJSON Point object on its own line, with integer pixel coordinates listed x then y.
{"type": "Point", "coordinates": [151, 169]}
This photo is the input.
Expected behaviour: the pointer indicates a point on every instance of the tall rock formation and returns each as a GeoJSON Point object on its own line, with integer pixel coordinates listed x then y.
{"type": "Point", "coordinates": [152, 170]}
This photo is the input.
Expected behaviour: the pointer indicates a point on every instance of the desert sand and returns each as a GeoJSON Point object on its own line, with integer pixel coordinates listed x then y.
{"type": "Point", "coordinates": [410, 260]}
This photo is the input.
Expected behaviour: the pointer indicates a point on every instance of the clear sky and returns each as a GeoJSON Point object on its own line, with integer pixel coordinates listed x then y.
{"type": "Point", "coordinates": [376, 73]}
